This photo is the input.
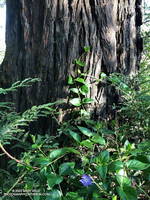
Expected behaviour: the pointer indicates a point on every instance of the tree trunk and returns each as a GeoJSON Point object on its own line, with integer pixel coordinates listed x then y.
{"type": "Point", "coordinates": [43, 37]}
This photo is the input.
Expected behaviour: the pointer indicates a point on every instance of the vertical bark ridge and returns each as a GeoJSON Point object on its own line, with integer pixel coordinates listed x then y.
{"type": "Point", "coordinates": [45, 36]}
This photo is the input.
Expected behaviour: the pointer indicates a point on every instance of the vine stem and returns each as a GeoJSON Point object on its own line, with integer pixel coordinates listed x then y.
{"type": "Point", "coordinates": [99, 187]}
{"type": "Point", "coordinates": [15, 159]}
{"type": "Point", "coordinates": [58, 184]}
{"type": "Point", "coordinates": [19, 179]}
{"type": "Point", "coordinates": [10, 156]}
{"type": "Point", "coordinates": [143, 192]}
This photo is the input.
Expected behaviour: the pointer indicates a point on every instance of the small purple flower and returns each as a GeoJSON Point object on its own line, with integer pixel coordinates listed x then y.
{"type": "Point", "coordinates": [86, 180]}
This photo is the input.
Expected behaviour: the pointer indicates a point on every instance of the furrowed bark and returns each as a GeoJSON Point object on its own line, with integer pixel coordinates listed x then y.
{"type": "Point", "coordinates": [43, 37]}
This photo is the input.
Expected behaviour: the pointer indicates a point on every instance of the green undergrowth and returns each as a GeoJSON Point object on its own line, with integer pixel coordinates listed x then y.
{"type": "Point", "coordinates": [115, 160]}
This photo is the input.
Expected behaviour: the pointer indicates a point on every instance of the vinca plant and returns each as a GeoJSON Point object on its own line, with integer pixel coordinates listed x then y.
{"type": "Point", "coordinates": [86, 159]}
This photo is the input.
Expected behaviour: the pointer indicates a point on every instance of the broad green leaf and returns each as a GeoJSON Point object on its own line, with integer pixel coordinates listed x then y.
{"type": "Point", "coordinates": [84, 89]}
{"type": "Point", "coordinates": [87, 143]}
{"type": "Point", "coordinates": [114, 198]}
{"type": "Point", "coordinates": [66, 168]}
{"type": "Point", "coordinates": [102, 170]}
{"type": "Point", "coordinates": [84, 113]}
{"type": "Point", "coordinates": [85, 131]}
{"type": "Point", "coordinates": [54, 179]}
{"type": "Point", "coordinates": [79, 62]}
{"type": "Point", "coordinates": [75, 102]}
{"type": "Point", "coordinates": [42, 161]}
{"type": "Point", "coordinates": [123, 180]}
{"type": "Point", "coordinates": [127, 193]}
{"type": "Point", "coordinates": [74, 135]}
{"type": "Point", "coordinates": [80, 80]}
{"type": "Point", "coordinates": [103, 75]}
{"type": "Point", "coordinates": [137, 165]}
{"type": "Point", "coordinates": [116, 165]}
{"type": "Point", "coordinates": [104, 156]}
{"type": "Point", "coordinates": [145, 145]}
{"type": "Point", "coordinates": [36, 197]}
{"type": "Point", "coordinates": [60, 152]}
{"type": "Point", "coordinates": [121, 193]}
{"type": "Point", "coordinates": [107, 131]}
{"type": "Point", "coordinates": [85, 161]}
{"type": "Point", "coordinates": [87, 100]}
{"type": "Point", "coordinates": [79, 171]}
{"type": "Point", "coordinates": [87, 48]}
{"type": "Point", "coordinates": [74, 90]}
{"type": "Point", "coordinates": [73, 196]}
{"type": "Point", "coordinates": [54, 195]}
{"type": "Point", "coordinates": [98, 140]}
{"type": "Point", "coordinates": [130, 192]}
{"type": "Point", "coordinates": [70, 80]}
{"type": "Point", "coordinates": [35, 146]}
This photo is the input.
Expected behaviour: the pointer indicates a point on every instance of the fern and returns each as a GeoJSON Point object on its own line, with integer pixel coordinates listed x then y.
{"type": "Point", "coordinates": [12, 123]}
{"type": "Point", "coordinates": [19, 84]}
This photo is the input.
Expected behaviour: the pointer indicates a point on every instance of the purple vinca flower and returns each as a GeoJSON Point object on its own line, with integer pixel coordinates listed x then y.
{"type": "Point", "coordinates": [86, 180]}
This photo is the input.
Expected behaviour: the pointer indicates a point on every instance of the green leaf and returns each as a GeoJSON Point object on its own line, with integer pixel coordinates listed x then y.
{"type": "Point", "coordinates": [66, 168]}
{"type": "Point", "coordinates": [70, 80]}
{"type": "Point", "coordinates": [103, 75]}
{"type": "Point", "coordinates": [54, 179]}
{"type": "Point", "coordinates": [130, 192]}
{"type": "Point", "coordinates": [84, 113]}
{"type": "Point", "coordinates": [87, 143]}
{"type": "Point", "coordinates": [145, 145]}
{"type": "Point", "coordinates": [127, 193]}
{"type": "Point", "coordinates": [87, 48]}
{"type": "Point", "coordinates": [75, 102]}
{"type": "Point", "coordinates": [105, 156]}
{"type": "Point", "coordinates": [74, 135]}
{"type": "Point", "coordinates": [87, 100]}
{"type": "Point", "coordinates": [85, 131]}
{"type": "Point", "coordinates": [137, 165]}
{"type": "Point", "coordinates": [102, 158]}
{"type": "Point", "coordinates": [35, 146]}
{"type": "Point", "coordinates": [85, 161]}
{"type": "Point", "coordinates": [98, 140]}
{"type": "Point", "coordinates": [107, 131]}
{"type": "Point", "coordinates": [121, 193]}
{"type": "Point", "coordinates": [42, 161]}
{"type": "Point", "coordinates": [79, 62]}
{"type": "Point", "coordinates": [114, 198]}
{"type": "Point", "coordinates": [73, 196]}
{"type": "Point", "coordinates": [74, 90]}
{"type": "Point", "coordinates": [60, 152]}
{"type": "Point", "coordinates": [80, 80]}
{"type": "Point", "coordinates": [54, 195]}
{"type": "Point", "coordinates": [84, 90]}
{"type": "Point", "coordinates": [123, 180]}
{"type": "Point", "coordinates": [116, 165]}
{"type": "Point", "coordinates": [102, 170]}
{"type": "Point", "coordinates": [36, 197]}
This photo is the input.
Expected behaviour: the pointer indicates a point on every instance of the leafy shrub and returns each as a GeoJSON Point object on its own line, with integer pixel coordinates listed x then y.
{"type": "Point", "coordinates": [85, 160]}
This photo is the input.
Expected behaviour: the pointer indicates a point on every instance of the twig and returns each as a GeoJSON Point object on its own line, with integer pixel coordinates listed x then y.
{"type": "Point", "coordinates": [19, 179]}
{"type": "Point", "coordinates": [15, 159]}
{"type": "Point", "coordinates": [143, 191]}
{"type": "Point", "coordinates": [10, 156]}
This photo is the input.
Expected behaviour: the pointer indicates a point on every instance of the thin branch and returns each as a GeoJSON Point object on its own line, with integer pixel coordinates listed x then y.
{"type": "Point", "coordinates": [10, 156]}
{"type": "Point", "coordinates": [19, 179]}
{"type": "Point", "coordinates": [15, 159]}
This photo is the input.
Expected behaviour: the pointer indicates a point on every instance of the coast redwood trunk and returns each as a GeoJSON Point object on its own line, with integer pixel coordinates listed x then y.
{"type": "Point", "coordinates": [43, 37]}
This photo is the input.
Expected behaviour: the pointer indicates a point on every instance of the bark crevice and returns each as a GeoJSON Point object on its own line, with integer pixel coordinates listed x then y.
{"type": "Point", "coordinates": [43, 37]}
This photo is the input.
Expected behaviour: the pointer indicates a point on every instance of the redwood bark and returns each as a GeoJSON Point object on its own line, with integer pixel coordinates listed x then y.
{"type": "Point", "coordinates": [43, 37]}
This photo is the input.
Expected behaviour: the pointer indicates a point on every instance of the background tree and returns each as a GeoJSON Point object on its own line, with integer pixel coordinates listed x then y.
{"type": "Point", "coordinates": [43, 37]}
